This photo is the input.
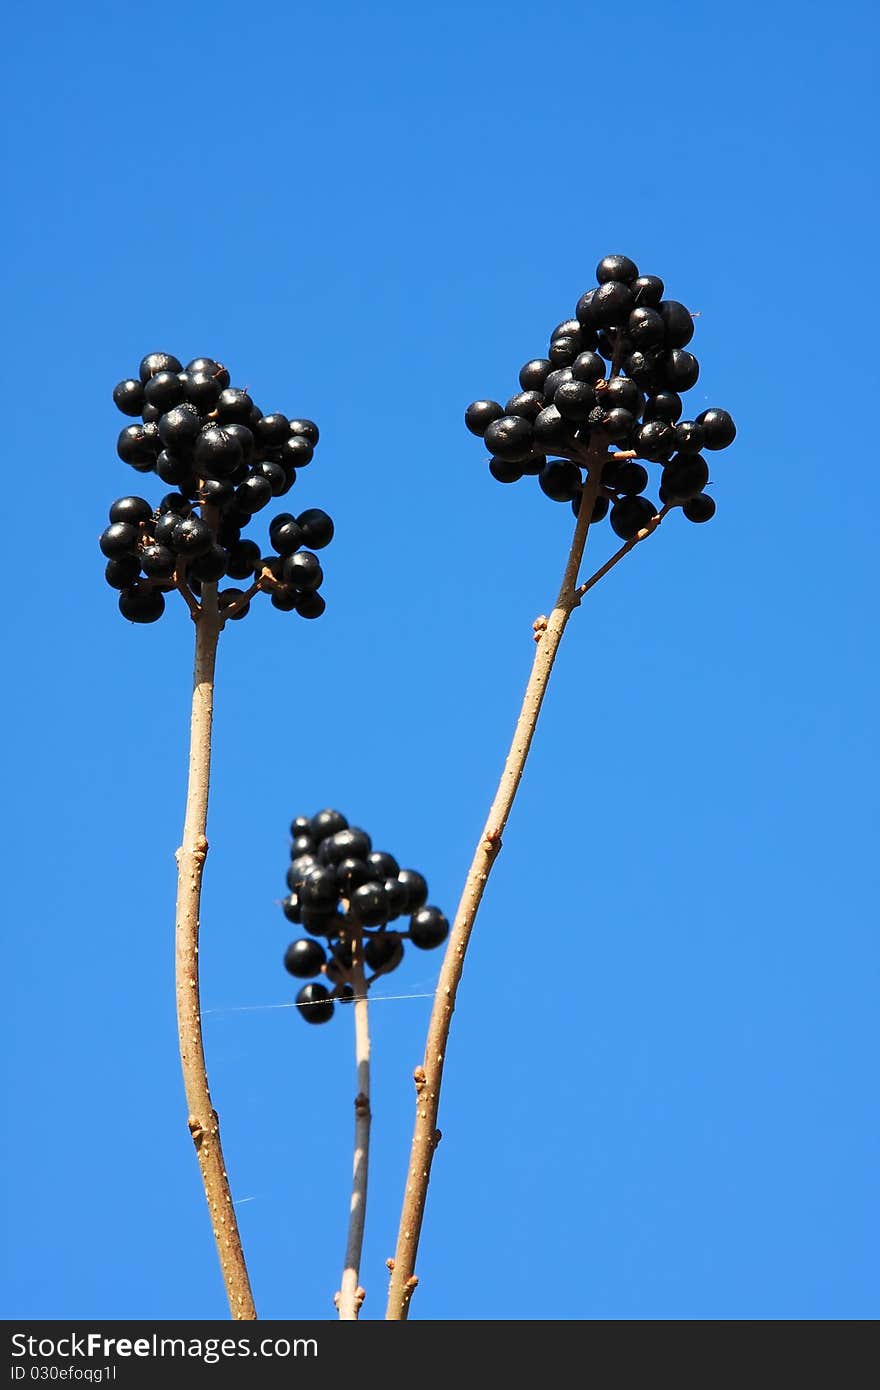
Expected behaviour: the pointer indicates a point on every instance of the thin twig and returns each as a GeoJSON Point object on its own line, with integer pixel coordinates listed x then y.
{"type": "Point", "coordinates": [351, 1295]}
{"type": "Point", "coordinates": [428, 1077]}
{"type": "Point", "coordinates": [204, 1124]}
{"type": "Point", "coordinates": [265, 580]}
{"type": "Point", "coordinates": [618, 555]}
{"type": "Point", "coordinates": [191, 602]}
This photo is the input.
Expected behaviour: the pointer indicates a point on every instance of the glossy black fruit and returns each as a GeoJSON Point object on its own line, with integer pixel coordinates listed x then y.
{"type": "Point", "coordinates": [588, 367]}
{"type": "Point", "coordinates": [191, 536]}
{"type": "Point", "coordinates": [128, 396]}
{"type": "Point", "coordinates": [297, 451]}
{"type": "Point", "coordinates": [612, 304]}
{"type": "Point", "coordinates": [655, 440]}
{"type": "Point", "coordinates": [646, 328]}
{"type": "Point", "coordinates": [529, 404]}
{"type": "Point", "coordinates": [701, 508]}
{"type": "Point", "coordinates": [504, 472]}
{"type": "Point", "coordinates": [200, 390]}
{"type": "Point", "coordinates": [179, 428]}
{"type": "Point", "coordinates": [563, 351]}
{"type": "Point", "coordinates": [122, 572]}
{"type": "Point", "coordinates": [690, 437]}
{"type": "Point", "coordinates": [678, 322]}
{"type": "Point", "coordinates": [272, 431]}
{"type": "Point", "coordinates": [369, 904]}
{"type": "Point", "coordinates": [210, 566]}
{"type": "Point", "coordinates": [645, 369]}
{"type": "Point", "coordinates": [158, 561]}
{"type": "Point", "coordinates": [718, 428]}
{"type": "Point", "coordinates": [164, 390]}
{"type": "Point", "coordinates": [217, 452]}
{"type": "Point", "coordinates": [299, 867]}
{"type": "Point", "coordinates": [155, 362]}
{"type": "Point", "coordinates": [647, 291]}
{"type": "Point", "coordinates": [551, 430]}
{"type": "Point", "coordinates": [352, 873]}
{"type": "Point", "coordinates": [560, 480]}
{"type": "Point", "coordinates": [386, 865]}
{"type": "Point", "coordinates": [480, 415]}
{"type": "Point", "coordinates": [206, 366]}
{"type": "Point", "coordinates": [279, 478]}
{"type": "Point", "coordinates": [310, 605]}
{"type": "Point", "coordinates": [630, 515]}
{"type": "Point", "coordinates": [253, 494]}
{"type": "Point", "coordinates": [349, 843]}
{"type": "Point", "coordinates": [234, 407]}
{"type": "Point", "coordinates": [133, 510]}
{"type": "Point", "coordinates": [397, 897]}
{"type": "Point", "coordinates": [616, 268]}
{"type": "Point", "coordinates": [534, 373]}
{"type": "Point", "coordinates": [558, 377]}
{"type": "Point", "coordinates": [303, 571]}
{"type": "Point", "coordinates": [243, 560]}
{"type": "Point", "coordinates": [623, 393]}
{"type": "Point", "coordinates": [315, 1004]}
{"type": "Point", "coordinates": [141, 605]}
{"type": "Point", "coordinates": [600, 507]}
{"type": "Point", "coordinates": [324, 824]}
{"type": "Point", "coordinates": [631, 478]}
{"type": "Point", "coordinates": [384, 951]}
{"type": "Point", "coordinates": [304, 958]}
{"type": "Point", "coordinates": [320, 888]}
{"type": "Point", "coordinates": [292, 909]}
{"type": "Point", "coordinates": [307, 429]}
{"type": "Point", "coordinates": [574, 400]}
{"type": "Point", "coordinates": [416, 888]}
{"type": "Point", "coordinates": [316, 527]}
{"type": "Point", "coordinates": [428, 928]}
{"type": "Point", "coordinates": [665, 405]}
{"type": "Point", "coordinates": [227, 598]}
{"type": "Point", "coordinates": [138, 445]}
{"type": "Point", "coordinates": [286, 534]}
{"type": "Point", "coordinates": [509, 438]}
{"type": "Point", "coordinates": [119, 538]}
{"type": "Point", "coordinates": [619, 425]}
{"type": "Point", "coordinates": [684, 477]}
{"type": "Point", "coordinates": [681, 369]}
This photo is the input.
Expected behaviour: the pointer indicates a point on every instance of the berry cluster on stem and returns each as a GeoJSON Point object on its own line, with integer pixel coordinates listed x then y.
{"type": "Point", "coordinates": [348, 894]}
{"type": "Point", "coordinates": [614, 375]}
{"type": "Point", "coordinates": [226, 461]}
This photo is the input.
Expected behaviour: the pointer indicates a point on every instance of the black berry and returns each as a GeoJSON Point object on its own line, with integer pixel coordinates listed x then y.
{"type": "Point", "coordinates": [304, 958]}
{"type": "Point", "coordinates": [428, 928]}
{"type": "Point", "coordinates": [315, 1004]}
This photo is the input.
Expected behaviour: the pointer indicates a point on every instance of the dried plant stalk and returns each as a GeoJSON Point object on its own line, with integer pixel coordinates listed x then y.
{"type": "Point", "coordinates": [204, 1124]}
{"type": "Point", "coordinates": [351, 1295]}
{"type": "Point", "coordinates": [429, 1076]}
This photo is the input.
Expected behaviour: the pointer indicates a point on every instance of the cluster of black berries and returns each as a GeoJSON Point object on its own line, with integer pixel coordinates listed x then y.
{"type": "Point", "coordinates": [571, 401]}
{"type": "Point", "coordinates": [226, 460]}
{"type": "Point", "coordinates": [340, 887]}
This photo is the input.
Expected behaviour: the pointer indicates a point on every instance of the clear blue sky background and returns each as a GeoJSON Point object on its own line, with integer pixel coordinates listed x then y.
{"type": "Point", "coordinates": [660, 1092]}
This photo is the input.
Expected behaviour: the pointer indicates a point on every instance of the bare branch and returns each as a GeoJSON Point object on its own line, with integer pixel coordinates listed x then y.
{"type": "Point", "coordinates": [203, 1122]}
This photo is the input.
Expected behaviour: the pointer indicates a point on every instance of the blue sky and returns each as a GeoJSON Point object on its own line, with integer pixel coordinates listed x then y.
{"type": "Point", "coordinates": [660, 1094]}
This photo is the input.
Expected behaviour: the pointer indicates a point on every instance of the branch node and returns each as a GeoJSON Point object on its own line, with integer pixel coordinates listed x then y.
{"type": "Point", "coordinates": [539, 627]}
{"type": "Point", "coordinates": [361, 1104]}
{"type": "Point", "coordinates": [412, 1282]}
{"type": "Point", "coordinates": [196, 1130]}
{"type": "Point", "coordinates": [420, 1078]}
{"type": "Point", "coordinates": [389, 1263]}
{"type": "Point", "coordinates": [438, 1135]}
